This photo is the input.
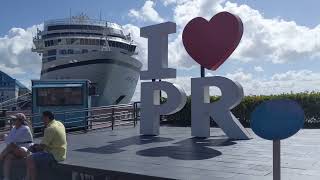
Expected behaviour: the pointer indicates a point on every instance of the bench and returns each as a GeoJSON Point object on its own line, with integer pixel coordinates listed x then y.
{"type": "Point", "coordinates": [19, 171]}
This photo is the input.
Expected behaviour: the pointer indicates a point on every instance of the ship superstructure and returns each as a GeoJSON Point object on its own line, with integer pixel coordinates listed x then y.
{"type": "Point", "coordinates": [82, 48]}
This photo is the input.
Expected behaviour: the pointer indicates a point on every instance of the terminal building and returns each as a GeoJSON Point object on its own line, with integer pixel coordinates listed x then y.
{"type": "Point", "coordinates": [10, 90]}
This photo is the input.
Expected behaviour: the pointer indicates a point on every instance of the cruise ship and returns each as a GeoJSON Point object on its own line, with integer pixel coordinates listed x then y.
{"type": "Point", "coordinates": [82, 48]}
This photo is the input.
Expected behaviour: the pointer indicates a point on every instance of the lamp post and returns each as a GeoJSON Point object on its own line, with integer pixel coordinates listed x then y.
{"type": "Point", "coordinates": [203, 72]}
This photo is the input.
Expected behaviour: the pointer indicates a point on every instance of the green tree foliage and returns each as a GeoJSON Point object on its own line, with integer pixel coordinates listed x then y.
{"type": "Point", "coordinates": [310, 102]}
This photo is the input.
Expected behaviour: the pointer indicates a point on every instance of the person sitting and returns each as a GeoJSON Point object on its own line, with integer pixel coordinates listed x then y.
{"type": "Point", "coordinates": [18, 141]}
{"type": "Point", "coordinates": [52, 148]}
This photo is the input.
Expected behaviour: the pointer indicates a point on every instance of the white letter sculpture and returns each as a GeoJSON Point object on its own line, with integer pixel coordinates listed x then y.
{"type": "Point", "coordinates": [158, 51]}
{"type": "Point", "coordinates": [202, 109]}
{"type": "Point", "coordinates": [151, 109]}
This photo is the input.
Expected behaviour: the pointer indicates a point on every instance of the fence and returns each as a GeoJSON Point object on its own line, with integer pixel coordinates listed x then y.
{"type": "Point", "coordinates": [92, 119]}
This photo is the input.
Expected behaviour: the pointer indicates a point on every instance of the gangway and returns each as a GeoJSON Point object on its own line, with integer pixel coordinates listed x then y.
{"type": "Point", "coordinates": [18, 103]}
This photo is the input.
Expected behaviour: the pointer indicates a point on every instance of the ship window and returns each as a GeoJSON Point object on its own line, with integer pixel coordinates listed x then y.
{"type": "Point", "coordinates": [85, 51]}
{"type": "Point", "coordinates": [102, 42]}
{"type": "Point", "coordinates": [86, 41]}
{"type": "Point", "coordinates": [70, 51]}
{"type": "Point", "coordinates": [70, 34]}
{"type": "Point", "coordinates": [82, 42]}
{"type": "Point", "coordinates": [51, 58]}
{"type": "Point", "coordinates": [63, 51]}
{"type": "Point", "coordinates": [52, 52]}
{"type": "Point", "coordinates": [87, 27]}
{"type": "Point", "coordinates": [111, 43]}
{"type": "Point", "coordinates": [133, 48]}
{"type": "Point", "coordinates": [77, 51]}
{"type": "Point", "coordinates": [70, 40]}
{"type": "Point", "coordinates": [55, 42]}
{"type": "Point", "coordinates": [73, 40]}
{"type": "Point", "coordinates": [93, 42]}
{"type": "Point", "coordinates": [121, 45]}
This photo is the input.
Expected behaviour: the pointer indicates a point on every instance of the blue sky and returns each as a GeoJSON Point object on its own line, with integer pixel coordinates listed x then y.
{"type": "Point", "coordinates": [303, 12]}
{"type": "Point", "coordinates": [278, 52]}
{"type": "Point", "coordinates": [21, 13]}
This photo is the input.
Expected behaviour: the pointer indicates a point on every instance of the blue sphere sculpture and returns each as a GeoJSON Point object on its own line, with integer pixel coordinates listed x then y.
{"type": "Point", "coordinates": [277, 119]}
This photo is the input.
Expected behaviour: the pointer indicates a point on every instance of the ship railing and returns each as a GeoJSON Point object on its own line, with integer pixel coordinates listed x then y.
{"type": "Point", "coordinates": [90, 119]}
{"type": "Point", "coordinates": [76, 21]}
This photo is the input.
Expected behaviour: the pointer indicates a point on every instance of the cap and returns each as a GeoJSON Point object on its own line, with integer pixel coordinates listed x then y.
{"type": "Point", "coordinates": [19, 116]}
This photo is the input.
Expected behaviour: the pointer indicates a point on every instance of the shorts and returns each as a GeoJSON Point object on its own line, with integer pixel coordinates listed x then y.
{"type": "Point", "coordinates": [43, 159]}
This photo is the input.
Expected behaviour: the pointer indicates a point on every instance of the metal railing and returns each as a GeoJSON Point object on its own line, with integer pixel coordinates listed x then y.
{"type": "Point", "coordinates": [13, 101]}
{"type": "Point", "coordinates": [90, 118]}
{"type": "Point", "coordinates": [75, 21]}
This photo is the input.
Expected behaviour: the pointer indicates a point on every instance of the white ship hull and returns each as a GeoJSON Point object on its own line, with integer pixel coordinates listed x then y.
{"type": "Point", "coordinates": [114, 74]}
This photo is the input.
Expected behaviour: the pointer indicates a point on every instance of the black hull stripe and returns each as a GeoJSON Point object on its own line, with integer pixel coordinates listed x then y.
{"type": "Point", "coordinates": [95, 61]}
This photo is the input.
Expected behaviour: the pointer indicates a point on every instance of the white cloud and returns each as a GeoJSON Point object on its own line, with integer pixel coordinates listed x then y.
{"type": "Point", "coordinates": [265, 39]}
{"type": "Point", "coordinates": [286, 82]}
{"type": "Point", "coordinates": [142, 43]}
{"type": "Point", "coordinates": [240, 76]}
{"type": "Point", "coordinates": [290, 81]}
{"type": "Point", "coordinates": [258, 69]}
{"type": "Point", "coordinates": [274, 40]}
{"type": "Point", "coordinates": [17, 60]}
{"type": "Point", "coordinates": [11, 71]}
{"type": "Point", "coordinates": [301, 75]}
{"type": "Point", "coordinates": [168, 2]}
{"type": "Point", "coordinates": [146, 13]}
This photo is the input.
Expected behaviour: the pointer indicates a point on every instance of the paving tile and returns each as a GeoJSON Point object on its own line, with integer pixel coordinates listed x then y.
{"type": "Point", "coordinates": [175, 154]}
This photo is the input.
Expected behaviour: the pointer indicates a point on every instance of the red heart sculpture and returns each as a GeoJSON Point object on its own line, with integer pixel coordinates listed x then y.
{"type": "Point", "coordinates": [211, 43]}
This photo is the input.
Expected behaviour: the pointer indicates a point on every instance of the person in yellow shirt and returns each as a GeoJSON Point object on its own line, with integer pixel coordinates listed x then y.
{"type": "Point", "coordinates": [52, 149]}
